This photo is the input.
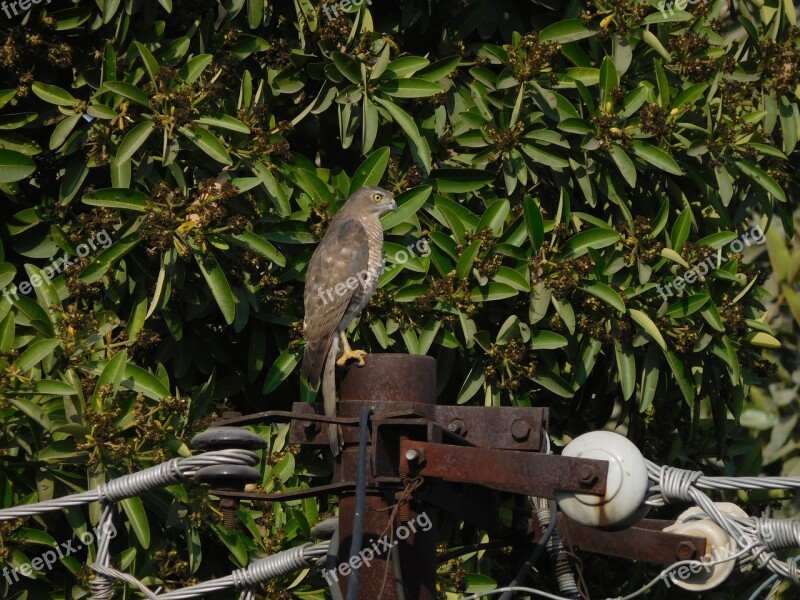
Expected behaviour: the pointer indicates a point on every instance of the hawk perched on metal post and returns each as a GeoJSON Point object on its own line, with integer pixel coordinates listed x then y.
{"type": "Point", "coordinates": [341, 278]}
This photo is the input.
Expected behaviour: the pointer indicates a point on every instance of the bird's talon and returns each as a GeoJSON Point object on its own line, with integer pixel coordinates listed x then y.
{"type": "Point", "coordinates": [356, 354]}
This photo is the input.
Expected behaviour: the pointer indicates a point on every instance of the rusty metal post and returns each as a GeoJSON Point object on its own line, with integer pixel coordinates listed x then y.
{"type": "Point", "coordinates": [385, 381]}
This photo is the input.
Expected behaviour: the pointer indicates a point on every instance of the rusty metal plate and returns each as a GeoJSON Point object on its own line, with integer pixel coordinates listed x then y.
{"type": "Point", "coordinates": [645, 541]}
{"type": "Point", "coordinates": [496, 427]}
{"type": "Point", "coordinates": [526, 473]}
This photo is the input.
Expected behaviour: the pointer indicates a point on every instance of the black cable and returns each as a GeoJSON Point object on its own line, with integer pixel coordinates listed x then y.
{"type": "Point", "coordinates": [361, 500]}
{"type": "Point", "coordinates": [528, 564]}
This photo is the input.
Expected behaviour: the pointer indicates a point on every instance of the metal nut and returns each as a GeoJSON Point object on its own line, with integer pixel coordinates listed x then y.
{"type": "Point", "coordinates": [686, 550]}
{"type": "Point", "coordinates": [520, 430]}
{"type": "Point", "coordinates": [457, 427]}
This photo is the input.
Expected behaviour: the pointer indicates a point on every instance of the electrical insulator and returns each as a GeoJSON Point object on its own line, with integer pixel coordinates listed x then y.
{"type": "Point", "coordinates": [622, 505]}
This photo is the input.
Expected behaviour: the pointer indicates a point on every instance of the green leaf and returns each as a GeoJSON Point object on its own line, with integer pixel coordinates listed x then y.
{"type": "Point", "coordinates": [656, 157]}
{"type": "Point", "coordinates": [690, 95]}
{"type": "Point", "coordinates": [218, 283]}
{"type": "Point", "coordinates": [472, 384]}
{"type": "Point", "coordinates": [670, 254]}
{"type": "Point", "coordinates": [371, 170]}
{"type": "Point", "coordinates": [606, 294]}
{"type": "Point", "coordinates": [467, 258]}
{"type": "Point", "coordinates": [406, 66]}
{"type": "Point", "coordinates": [687, 305]}
{"type": "Point", "coordinates": [223, 122]}
{"type": "Point", "coordinates": [533, 222]}
{"type": "Point", "coordinates": [112, 375]}
{"type": "Point", "coordinates": [410, 88]}
{"type": "Point", "coordinates": [15, 166]}
{"type": "Point", "coordinates": [492, 291]}
{"type": "Point", "coordinates": [649, 327]}
{"type": "Point", "coordinates": [208, 143]}
{"type": "Point", "coordinates": [108, 257]}
{"type": "Point", "coordinates": [609, 79]}
{"type": "Point", "coordinates": [460, 181]}
{"type": "Point", "coordinates": [123, 198]}
{"type": "Point", "coordinates": [280, 370]}
{"type": "Point", "coordinates": [547, 340]}
{"type": "Point", "coordinates": [193, 68]}
{"type": "Point", "coordinates": [650, 375]}
{"type": "Point", "coordinates": [142, 381]}
{"type": "Point", "coordinates": [409, 127]}
{"type": "Point", "coordinates": [149, 61]}
{"type": "Point", "coordinates": [683, 376]}
{"type": "Point", "coordinates": [255, 243]}
{"type": "Point", "coordinates": [134, 140]}
{"type": "Point", "coordinates": [137, 517]}
{"type": "Point", "coordinates": [624, 164]}
{"type": "Point", "coordinates": [762, 340]}
{"type": "Point", "coordinates": [127, 91]}
{"type": "Point", "coordinates": [626, 367]}
{"type": "Point", "coordinates": [760, 176]}
{"type": "Point", "coordinates": [35, 353]}
{"type": "Point", "coordinates": [595, 239]}
{"type": "Point", "coordinates": [511, 277]}
{"type": "Point", "coordinates": [347, 67]}
{"type": "Point", "coordinates": [53, 387]}
{"type": "Point", "coordinates": [680, 231]}
{"type": "Point", "coordinates": [52, 94]}
{"type": "Point", "coordinates": [408, 204]}
{"type": "Point", "coordinates": [553, 382]}
{"type": "Point", "coordinates": [562, 32]}
{"type": "Point", "coordinates": [439, 69]}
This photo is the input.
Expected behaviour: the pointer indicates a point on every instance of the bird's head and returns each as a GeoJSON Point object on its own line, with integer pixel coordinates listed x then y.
{"type": "Point", "coordinates": [371, 200]}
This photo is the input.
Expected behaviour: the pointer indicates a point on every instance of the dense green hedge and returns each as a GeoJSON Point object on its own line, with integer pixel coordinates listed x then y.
{"type": "Point", "coordinates": [555, 170]}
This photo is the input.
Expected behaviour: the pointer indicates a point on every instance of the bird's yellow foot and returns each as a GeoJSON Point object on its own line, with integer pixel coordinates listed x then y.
{"type": "Point", "coordinates": [350, 353]}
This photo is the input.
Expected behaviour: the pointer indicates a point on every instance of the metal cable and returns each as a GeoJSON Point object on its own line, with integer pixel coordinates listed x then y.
{"type": "Point", "coordinates": [537, 551]}
{"type": "Point", "coordinates": [361, 501]}
{"type": "Point", "coordinates": [177, 470]}
{"type": "Point", "coordinates": [672, 484]}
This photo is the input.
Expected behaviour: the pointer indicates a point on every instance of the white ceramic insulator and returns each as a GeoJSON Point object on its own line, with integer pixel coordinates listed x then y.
{"type": "Point", "coordinates": [719, 545]}
{"type": "Point", "coordinates": [623, 503]}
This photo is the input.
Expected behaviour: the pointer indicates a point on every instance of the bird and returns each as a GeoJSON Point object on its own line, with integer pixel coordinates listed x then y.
{"type": "Point", "coordinates": [341, 277]}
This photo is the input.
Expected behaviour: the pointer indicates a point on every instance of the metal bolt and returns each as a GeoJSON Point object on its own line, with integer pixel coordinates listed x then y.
{"type": "Point", "coordinates": [415, 455]}
{"type": "Point", "coordinates": [686, 550]}
{"type": "Point", "coordinates": [520, 430]}
{"type": "Point", "coordinates": [228, 507]}
{"type": "Point", "coordinates": [587, 475]}
{"type": "Point", "coordinates": [457, 426]}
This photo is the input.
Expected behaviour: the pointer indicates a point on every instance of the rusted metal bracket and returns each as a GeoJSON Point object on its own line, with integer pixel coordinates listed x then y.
{"type": "Point", "coordinates": [645, 541]}
{"type": "Point", "coordinates": [527, 473]}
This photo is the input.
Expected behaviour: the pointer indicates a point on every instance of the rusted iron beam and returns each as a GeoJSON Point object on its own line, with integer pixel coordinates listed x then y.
{"type": "Point", "coordinates": [526, 473]}
{"type": "Point", "coordinates": [645, 541]}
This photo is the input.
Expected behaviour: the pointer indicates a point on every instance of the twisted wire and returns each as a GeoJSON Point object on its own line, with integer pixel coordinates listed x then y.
{"type": "Point", "coordinates": [671, 484]}
{"type": "Point", "coordinates": [177, 470]}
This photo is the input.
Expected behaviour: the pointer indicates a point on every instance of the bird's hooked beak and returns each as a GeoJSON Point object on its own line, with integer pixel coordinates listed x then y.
{"type": "Point", "coordinates": [393, 206]}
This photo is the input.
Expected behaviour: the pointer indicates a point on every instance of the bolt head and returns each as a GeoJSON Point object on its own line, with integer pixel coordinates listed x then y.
{"type": "Point", "coordinates": [520, 430]}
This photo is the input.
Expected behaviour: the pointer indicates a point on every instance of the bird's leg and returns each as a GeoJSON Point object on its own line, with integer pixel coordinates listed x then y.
{"type": "Point", "coordinates": [348, 352]}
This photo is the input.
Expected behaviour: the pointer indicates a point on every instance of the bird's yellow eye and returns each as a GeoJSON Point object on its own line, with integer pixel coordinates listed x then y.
{"type": "Point", "coordinates": [377, 197]}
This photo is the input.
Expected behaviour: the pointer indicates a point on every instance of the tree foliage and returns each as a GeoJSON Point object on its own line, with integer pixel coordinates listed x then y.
{"type": "Point", "coordinates": [555, 169]}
